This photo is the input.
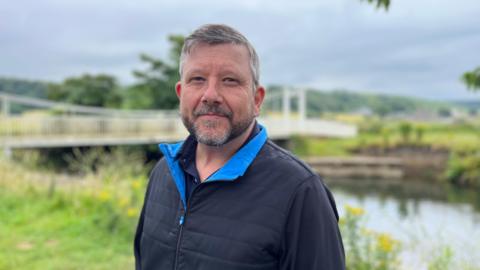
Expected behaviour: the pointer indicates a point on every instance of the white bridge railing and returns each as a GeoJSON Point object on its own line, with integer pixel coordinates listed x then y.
{"type": "Point", "coordinates": [20, 131]}
{"type": "Point", "coordinates": [70, 125]}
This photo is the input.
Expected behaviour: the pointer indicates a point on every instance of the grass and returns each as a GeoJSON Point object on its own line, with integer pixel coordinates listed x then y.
{"type": "Point", "coordinates": [458, 137]}
{"type": "Point", "coordinates": [53, 221]}
{"type": "Point", "coordinates": [54, 233]}
{"type": "Point", "coordinates": [70, 224]}
{"type": "Point", "coordinates": [461, 140]}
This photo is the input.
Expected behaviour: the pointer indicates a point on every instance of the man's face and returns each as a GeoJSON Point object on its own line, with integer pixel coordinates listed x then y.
{"type": "Point", "coordinates": [217, 99]}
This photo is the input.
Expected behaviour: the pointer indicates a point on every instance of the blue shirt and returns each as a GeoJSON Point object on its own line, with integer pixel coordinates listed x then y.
{"type": "Point", "coordinates": [187, 156]}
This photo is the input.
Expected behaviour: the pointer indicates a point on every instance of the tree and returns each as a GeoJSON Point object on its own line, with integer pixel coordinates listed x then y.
{"type": "Point", "coordinates": [381, 3]}
{"type": "Point", "coordinates": [155, 88]}
{"type": "Point", "coordinates": [89, 90]}
{"type": "Point", "coordinates": [472, 79]}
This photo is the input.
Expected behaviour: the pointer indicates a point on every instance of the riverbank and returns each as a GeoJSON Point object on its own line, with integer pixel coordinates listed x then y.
{"type": "Point", "coordinates": [50, 221]}
{"type": "Point", "coordinates": [433, 152]}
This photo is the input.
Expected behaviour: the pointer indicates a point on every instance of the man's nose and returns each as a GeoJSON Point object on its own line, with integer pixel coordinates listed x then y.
{"type": "Point", "coordinates": [212, 93]}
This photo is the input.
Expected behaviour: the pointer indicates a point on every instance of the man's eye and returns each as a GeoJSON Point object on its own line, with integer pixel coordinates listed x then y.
{"type": "Point", "coordinates": [197, 79]}
{"type": "Point", "coordinates": [229, 80]}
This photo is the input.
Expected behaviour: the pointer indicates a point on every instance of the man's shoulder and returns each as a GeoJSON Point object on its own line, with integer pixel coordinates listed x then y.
{"type": "Point", "coordinates": [159, 166]}
{"type": "Point", "coordinates": [276, 159]}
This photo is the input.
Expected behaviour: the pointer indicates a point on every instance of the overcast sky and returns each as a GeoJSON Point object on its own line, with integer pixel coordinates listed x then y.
{"type": "Point", "coordinates": [417, 48]}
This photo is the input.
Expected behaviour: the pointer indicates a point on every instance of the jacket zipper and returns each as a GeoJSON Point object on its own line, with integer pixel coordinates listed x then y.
{"type": "Point", "coordinates": [182, 221]}
{"type": "Point", "coordinates": [180, 233]}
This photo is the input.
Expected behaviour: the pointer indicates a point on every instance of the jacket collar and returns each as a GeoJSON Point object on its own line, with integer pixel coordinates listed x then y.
{"type": "Point", "coordinates": [234, 168]}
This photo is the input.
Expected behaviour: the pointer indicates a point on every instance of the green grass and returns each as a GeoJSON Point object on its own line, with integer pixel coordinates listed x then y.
{"type": "Point", "coordinates": [90, 224]}
{"type": "Point", "coordinates": [383, 134]}
{"type": "Point", "coordinates": [86, 224]}
{"type": "Point", "coordinates": [56, 233]}
{"type": "Point", "coordinates": [304, 146]}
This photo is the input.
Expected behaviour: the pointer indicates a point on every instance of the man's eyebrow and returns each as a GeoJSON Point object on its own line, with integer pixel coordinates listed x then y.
{"type": "Point", "coordinates": [193, 70]}
{"type": "Point", "coordinates": [225, 72]}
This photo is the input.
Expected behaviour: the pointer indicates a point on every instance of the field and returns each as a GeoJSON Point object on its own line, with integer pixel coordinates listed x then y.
{"type": "Point", "coordinates": [86, 219]}
{"type": "Point", "coordinates": [52, 221]}
{"type": "Point", "coordinates": [458, 137]}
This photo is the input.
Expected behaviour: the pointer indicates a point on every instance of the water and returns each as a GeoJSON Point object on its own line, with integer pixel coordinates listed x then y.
{"type": "Point", "coordinates": [425, 217]}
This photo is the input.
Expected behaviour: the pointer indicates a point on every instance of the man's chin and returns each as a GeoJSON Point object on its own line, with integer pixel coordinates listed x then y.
{"type": "Point", "coordinates": [212, 139]}
{"type": "Point", "coordinates": [212, 118]}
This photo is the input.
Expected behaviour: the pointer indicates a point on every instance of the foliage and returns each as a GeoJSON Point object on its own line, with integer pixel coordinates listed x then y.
{"type": "Point", "coordinates": [472, 79]}
{"type": "Point", "coordinates": [461, 140]}
{"type": "Point", "coordinates": [381, 3]}
{"type": "Point", "coordinates": [156, 85]}
{"type": "Point", "coordinates": [107, 165]}
{"type": "Point", "coordinates": [442, 261]}
{"type": "Point", "coordinates": [154, 89]}
{"type": "Point", "coordinates": [89, 90]}
{"type": "Point", "coordinates": [464, 168]}
{"type": "Point", "coordinates": [23, 87]}
{"type": "Point", "coordinates": [419, 130]}
{"type": "Point", "coordinates": [89, 222]}
{"type": "Point", "coordinates": [84, 223]}
{"type": "Point", "coordinates": [304, 146]}
{"type": "Point", "coordinates": [320, 103]}
{"type": "Point", "coordinates": [405, 129]}
{"type": "Point", "coordinates": [365, 249]}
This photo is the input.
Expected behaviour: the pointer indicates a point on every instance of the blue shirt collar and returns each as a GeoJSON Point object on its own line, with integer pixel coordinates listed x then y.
{"type": "Point", "coordinates": [236, 165]}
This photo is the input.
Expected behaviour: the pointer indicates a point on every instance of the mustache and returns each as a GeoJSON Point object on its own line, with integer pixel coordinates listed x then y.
{"type": "Point", "coordinates": [206, 109]}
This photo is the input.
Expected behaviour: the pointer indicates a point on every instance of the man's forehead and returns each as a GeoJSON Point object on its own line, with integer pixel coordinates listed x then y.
{"type": "Point", "coordinates": [227, 57]}
{"type": "Point", "coordinates": [205, 49]}
{"type": "Point", "coordinates": [228, 45]}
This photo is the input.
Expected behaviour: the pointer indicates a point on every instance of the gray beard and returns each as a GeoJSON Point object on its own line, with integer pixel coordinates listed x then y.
{"type": "Point", "coordinates": [228, 135]}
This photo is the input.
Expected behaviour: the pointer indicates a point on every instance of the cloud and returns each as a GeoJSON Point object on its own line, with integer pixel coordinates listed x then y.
{"type": "Point", "coordinates": [416, 48]}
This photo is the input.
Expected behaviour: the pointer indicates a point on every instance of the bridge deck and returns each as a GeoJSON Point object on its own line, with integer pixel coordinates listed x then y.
{"type": "Point", "coordinates": [63, 131]}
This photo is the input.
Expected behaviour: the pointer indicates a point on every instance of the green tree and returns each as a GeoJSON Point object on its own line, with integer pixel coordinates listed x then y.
{"type": "Point", "coordinates": [380, 3]}
{"type": "Point", "coordinates": [472, 79]}
{"type": "Point", "coordinates": [405, 129]}
{"type": "Point", "coordinates": [155, 87]}
{"type": "Point", "coordinates": [89, 90]}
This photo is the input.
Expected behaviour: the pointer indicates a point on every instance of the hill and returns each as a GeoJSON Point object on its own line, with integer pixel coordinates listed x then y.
{"type": "Point", "coordinates": [23, 87]}
{"type": "Point", "coordinates": [318, 101]}
{"type": "Point", "coordinates": [344, 101]}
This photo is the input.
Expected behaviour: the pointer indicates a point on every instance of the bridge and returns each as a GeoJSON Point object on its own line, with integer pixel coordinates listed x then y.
{"type": "Point", "coordinates": [47, 124]}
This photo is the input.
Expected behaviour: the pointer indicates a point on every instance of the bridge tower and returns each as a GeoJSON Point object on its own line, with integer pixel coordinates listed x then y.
{"type": "Point", "coordinates": [291, 92]}
{"type": "Point", "coordinates": [7, 151]}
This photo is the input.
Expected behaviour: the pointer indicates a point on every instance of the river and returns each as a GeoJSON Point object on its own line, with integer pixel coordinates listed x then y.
{"type": "Point", "coordinates": [424, 216]}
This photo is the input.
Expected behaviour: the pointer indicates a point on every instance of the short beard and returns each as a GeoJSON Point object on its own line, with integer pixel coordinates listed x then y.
{"type": "Point", "coordinates": [232, 132]}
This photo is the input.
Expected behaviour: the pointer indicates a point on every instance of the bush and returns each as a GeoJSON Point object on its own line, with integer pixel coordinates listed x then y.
{"type": "Point", "coordinates": [80, 224]}
{"type": "Point", "coordinates": [464, 168]}
{"type": "Point", "coordinates": [365, 249]}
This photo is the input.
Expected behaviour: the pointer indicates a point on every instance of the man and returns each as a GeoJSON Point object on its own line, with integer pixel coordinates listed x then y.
{"type": "Point", "coordinates": [228, 198]}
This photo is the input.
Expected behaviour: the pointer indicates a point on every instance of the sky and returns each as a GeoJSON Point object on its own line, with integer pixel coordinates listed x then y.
{"type": "Point", "coordinates": [417, 48]}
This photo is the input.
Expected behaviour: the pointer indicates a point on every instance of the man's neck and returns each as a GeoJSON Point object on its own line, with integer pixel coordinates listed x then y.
{"type": "Point", "coordinates": [211, 158]}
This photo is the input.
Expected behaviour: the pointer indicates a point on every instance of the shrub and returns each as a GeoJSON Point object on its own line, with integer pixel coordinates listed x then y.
{"type": "Point", "coordinates": [365, 249]}
{"type": "Point", "coordinates": [464, 169]}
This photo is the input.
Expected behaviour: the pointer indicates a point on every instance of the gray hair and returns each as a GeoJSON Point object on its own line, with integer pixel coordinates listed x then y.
{"type": "Point", "coordinates": [214, 34]}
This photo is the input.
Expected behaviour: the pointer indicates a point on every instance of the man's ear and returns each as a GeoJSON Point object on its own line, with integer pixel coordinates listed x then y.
{"type": "Point", "coordinates": [258, 99]}
{"type": "Point", "coordinates": [178, 89]}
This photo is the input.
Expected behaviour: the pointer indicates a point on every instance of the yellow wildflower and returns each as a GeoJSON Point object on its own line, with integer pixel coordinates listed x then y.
{"type": "Point", "coordinates": [104, 196]}
{"type": "Point", "coordinates": [136, 184]}
{"type": "Point", "coordinates": [123, 202]}
{"type": "Point", "coordinates": [355, 211]}
{"type": "Point", "coordinates": [385, 242]}
{"type": "Point", "coordinates": [131, 212]}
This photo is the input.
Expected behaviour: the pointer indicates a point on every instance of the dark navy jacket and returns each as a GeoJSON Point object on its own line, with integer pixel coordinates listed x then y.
{"type": "Point", "coordinates": [263, 210]}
